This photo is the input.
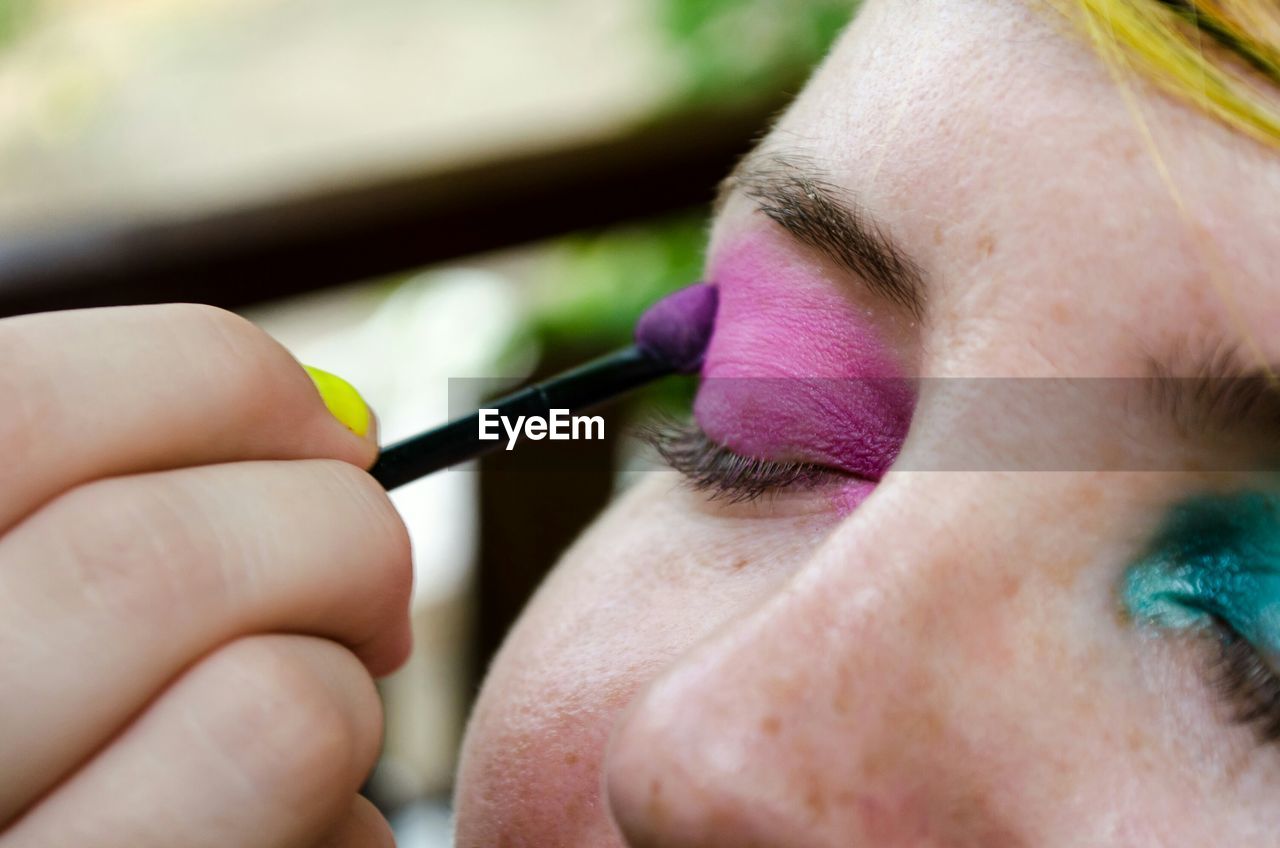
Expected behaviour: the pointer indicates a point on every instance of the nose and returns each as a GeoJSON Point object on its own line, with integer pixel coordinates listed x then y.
{"type": "Point", "coordinates": [687, 769]}
{"type": "Point", "coordinates": [852, 709]}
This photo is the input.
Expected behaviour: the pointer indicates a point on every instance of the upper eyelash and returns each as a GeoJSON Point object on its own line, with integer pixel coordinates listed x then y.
{"type": "Point", "coordinates": [714, 468]}
{"type": "Point", "coordinates": [1248, 683]}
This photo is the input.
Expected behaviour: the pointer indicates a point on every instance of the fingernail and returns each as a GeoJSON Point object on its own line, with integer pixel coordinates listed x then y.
{"type": "Point", "coordinates": [342, 399]}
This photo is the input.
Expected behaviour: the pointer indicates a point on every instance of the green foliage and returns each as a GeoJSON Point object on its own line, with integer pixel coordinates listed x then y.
{"type": "Point", "coordinates": [592, 288]}
{"type": "Point", "coordinates": [14, 14]}
{"type": "Point", "coordinates": [735, 46]}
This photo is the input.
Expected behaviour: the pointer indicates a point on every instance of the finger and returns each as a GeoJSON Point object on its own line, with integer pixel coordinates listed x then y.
{"type": "Point", "coordinates": [263, 743]}
{"type": "Point", "coordinates": [101, 392]}
{"type": "Point", "coordinates": [112, 589]}
{"type": "Point", "coordinates": [363, 827]}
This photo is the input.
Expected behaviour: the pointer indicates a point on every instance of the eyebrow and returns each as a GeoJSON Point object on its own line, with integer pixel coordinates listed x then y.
{"type": "Point", "coordinates": [797, 195]}
{"type": "Point", "coordinates": [1221, 393]}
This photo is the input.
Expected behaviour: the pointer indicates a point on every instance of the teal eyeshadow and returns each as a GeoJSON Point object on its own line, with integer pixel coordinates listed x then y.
{"type": "Point", "coordinates": [1214, 556]}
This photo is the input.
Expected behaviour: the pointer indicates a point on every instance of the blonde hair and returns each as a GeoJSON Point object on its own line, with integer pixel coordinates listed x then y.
{"type": "Point", "coordinates": [1223, 56]}
{"type": "Point", "coordinates": [1219, 54]}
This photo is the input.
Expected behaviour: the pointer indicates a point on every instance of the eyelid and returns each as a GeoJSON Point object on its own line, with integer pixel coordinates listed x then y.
{"type": "Point", "coordinates": [1211, 569]}
{"type": "Point", "coordinates": [726, 475]}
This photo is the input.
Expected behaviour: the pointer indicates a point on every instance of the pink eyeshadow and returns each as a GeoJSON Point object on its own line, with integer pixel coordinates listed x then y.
{"type": "Point", "coordinates": [795, 370]}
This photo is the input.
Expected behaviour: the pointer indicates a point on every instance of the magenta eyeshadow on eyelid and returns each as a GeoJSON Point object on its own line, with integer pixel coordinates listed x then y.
{"type": "Point", "coordinates": [795, 371]}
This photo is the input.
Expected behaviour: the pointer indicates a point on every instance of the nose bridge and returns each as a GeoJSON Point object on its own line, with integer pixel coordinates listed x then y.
{"type": "Point", "coordinates": [826, 712]}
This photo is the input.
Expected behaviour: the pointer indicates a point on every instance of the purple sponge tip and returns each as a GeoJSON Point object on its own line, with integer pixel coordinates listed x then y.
{"type": "Point", "coordinates": [676, 329]}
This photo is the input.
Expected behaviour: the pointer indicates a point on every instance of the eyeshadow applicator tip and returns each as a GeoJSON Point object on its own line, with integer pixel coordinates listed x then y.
{"type": "Point", "coordinates": [677, 329]}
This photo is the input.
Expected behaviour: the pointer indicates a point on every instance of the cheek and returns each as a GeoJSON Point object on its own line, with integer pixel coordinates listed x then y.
{"type": "Point", "coordinates": [652, 578]}
{"type": "Point", "coordinates": [967, 684]}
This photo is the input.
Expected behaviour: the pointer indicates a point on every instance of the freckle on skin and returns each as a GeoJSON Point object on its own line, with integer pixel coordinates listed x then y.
{"type": "Point", "coordinates": [1086, 706]}
{"type": "Point", "coordinates": [571, 759]}
{"type": "Point", "coordinates": [1059, 313]}
{"type": "Point", "coordinates": [1062, 570]}
{"type": "Point", "coordinates": [655, 805]}
{"type": "Point", "coordinates": [815, 802]}
{"type": "Point", "coordinates": [932, 727]}
{"type": "Point", "coordinates": [986, 245]}
{"type": "Point", "coordinates": [771, 725]}
{"type": "Point", "coordinates": [1087, 496]}
{"type": "Point", "coordinates": [877, 763]}
{"type": "Point", "coordinates": [1010, 586]}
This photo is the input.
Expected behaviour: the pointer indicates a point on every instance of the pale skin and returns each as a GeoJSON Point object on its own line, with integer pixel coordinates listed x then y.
{"type": "Point", "coordinates": [198, 583]}
{"type": "Point", "coordinates": [948, 665]}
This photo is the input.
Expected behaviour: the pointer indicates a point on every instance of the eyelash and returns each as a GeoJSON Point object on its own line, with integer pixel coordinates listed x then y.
{"type": "Point", "coordinates": [1247, 682]}
{"type": "Point", "coordinates": [728, 476]}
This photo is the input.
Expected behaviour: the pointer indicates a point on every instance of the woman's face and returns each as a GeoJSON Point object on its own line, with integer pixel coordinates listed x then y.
{"type": "Point", "coordinates": [978, 647]}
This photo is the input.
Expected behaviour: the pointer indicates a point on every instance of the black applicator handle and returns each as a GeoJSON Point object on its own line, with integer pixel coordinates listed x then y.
{"type": "Point", "coordinates": [576, 390]}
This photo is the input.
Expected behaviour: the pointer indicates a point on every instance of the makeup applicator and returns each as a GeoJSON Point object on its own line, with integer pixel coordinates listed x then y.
{"type": "Point", "coordinates": [670, 338]}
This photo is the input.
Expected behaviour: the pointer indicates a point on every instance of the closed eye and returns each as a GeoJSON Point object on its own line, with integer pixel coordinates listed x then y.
{"type": "Point", "coordinates": [711, 467]}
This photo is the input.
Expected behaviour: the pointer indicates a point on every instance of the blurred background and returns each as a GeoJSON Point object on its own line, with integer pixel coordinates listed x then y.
{"type": "Point", "coordinates": [404, 192]}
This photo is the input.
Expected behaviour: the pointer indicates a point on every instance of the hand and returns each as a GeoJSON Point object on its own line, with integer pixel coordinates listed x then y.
{"type": "Point", "coordinates": [198, 583]}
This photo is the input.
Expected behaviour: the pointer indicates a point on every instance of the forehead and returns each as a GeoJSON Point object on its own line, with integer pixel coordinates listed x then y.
{"type": "Point", "coordinates": [1037, 191]}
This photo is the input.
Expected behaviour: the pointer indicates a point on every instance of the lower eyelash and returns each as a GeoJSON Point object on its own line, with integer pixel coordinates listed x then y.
{"type": "Point", "coordinates": [1247, 683]}
{"type": "Point", "coordinates": [714, 468]}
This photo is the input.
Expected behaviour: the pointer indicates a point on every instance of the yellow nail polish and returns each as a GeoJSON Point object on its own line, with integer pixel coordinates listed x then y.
{"type": "Point", "coordinates": [342, 399]}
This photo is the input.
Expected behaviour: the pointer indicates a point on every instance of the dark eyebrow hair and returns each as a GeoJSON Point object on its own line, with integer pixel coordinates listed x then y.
{"type": "Point", "coordinates": [1216, 390]}
{"type": "Point", "coordinates": [799, 197]}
